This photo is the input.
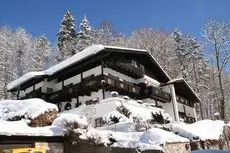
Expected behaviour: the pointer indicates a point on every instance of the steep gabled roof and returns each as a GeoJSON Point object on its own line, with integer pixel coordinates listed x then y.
{"type": "Point", "coordinates": [86, 53]}
{"type": "Point", "coordinates": [178, 83]}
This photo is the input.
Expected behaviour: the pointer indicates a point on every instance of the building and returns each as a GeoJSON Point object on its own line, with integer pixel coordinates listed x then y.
{"type": "Point", "coordinates": [92, 74]}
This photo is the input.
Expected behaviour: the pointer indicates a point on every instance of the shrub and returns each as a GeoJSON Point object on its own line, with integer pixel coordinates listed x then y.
{"type": "Point", "coordinates": [45, 119]}
{"type": "Point", "coordinates": [123, 110]}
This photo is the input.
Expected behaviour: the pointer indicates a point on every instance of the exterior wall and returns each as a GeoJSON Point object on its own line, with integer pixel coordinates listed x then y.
{"type": "Point", "coordinates": [29, 89]}
{"type": "Point", "coordinates": [75, 79]}
{"type": "Point", "coordinates": [118, 74]}
{"type": "Point", "coordinates": [96, 71]}
{"type": "Point", "coordinates": [94, 95]}
{"type": "Point", "coordinates": [189, 111]}
{"type": "Point", "coordinates": [58, 86]}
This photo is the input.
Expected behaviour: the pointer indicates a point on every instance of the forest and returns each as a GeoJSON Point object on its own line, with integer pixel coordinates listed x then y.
{"type": "Point", "coordinates": [203, 64]}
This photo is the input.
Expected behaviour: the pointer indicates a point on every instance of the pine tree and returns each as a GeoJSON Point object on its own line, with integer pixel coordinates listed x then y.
{"type": "Point", "coordinates": [183, 52]}
{"type": "Point", "coordinates": [41, 52]}
{"type": "Point", "coordinates": [66, 37]}
{"type": "Point", "coordinates": [84, 36]}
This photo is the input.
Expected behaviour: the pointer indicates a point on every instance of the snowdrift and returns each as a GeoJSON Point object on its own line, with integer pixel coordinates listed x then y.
{"type": "Point", "coordinates": [36, 111]}
{"type": "Point", "coordinates": [200, 130]}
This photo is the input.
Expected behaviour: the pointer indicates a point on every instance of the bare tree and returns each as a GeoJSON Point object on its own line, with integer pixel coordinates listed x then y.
{"type": "Point", "coordinates": [217, 33]}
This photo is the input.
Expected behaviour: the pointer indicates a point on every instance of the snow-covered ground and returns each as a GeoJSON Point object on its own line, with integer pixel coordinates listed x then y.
{"type": "Point", "coordinates": [21, 128]}
{"type": "Point", "coordinates": [108, 105]}
{"type": "Point", "coordinates": [204, 129]}
{"type": "Point", "coordinates": [122, 133]}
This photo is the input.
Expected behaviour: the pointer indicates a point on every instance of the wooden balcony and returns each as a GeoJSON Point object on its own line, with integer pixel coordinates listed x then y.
{"type": "Point", "coordinates": [123, 87]}
{"type": "Point", "coordinates": [127, 69]}
{"type": "Point", "coordinates": [155, 93]}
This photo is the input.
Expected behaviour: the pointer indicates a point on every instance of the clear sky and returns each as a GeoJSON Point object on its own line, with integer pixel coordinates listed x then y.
{"type": "Point", "coordinates": [43, 16]}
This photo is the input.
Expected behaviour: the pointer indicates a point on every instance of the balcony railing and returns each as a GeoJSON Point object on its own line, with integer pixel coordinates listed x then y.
{"type": "Point", "coordinates": [114, 83]}
{"type": "Point", "coordinates": [127, 69]}
{"type": "Point", "coordinates": [155, 93]}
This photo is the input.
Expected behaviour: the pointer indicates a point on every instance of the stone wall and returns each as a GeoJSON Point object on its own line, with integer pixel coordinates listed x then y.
{"type": "Point", "coordinates": [177, 148]}
{"type": "Point", "coordinates": [89, 148]}
{"type": "Point", "coordinates": [50, 147]}
{"type": "Point", "coordinates": [85, 148]}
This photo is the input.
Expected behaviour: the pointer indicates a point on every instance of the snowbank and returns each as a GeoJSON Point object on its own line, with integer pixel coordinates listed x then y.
{"type": "Point", "coordinates": [160, 137]}
{"type": "Point", "coordinates": [28, 109]}
{"type": "Point", "coordinates": [120, 139]}
{"type": "Point", "coordinates": [204, 129]}
{"type": "Point", "coordinates": [67, 118]}
{"type": "Point", "coordinates": [137, 109]}
{"type": "Point", "coordinates": [21, 128]}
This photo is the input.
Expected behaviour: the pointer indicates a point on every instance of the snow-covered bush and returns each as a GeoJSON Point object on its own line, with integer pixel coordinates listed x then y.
{"type": "Point", "coordinates": [114, 94]}
{"type": "Point", "coordinates": [73, 125]}
{"type": "Point", "coordinates": [95, 137]}
{"type": "Point", "coordinates": [37, 111]}
{"type": "Point", "coordinates": [67, 118]}
{"type": "Point", "coordinates": [123, 110]}
{"type": "Point", "coordinates": [140, 124]}
{"type": "Point", "coordinates": [160, 118]}
{"type": "Point", "coordinates": [44, 119]}
{"type": "Point", "coordinates": [126, 97]}
{"type": "Point", "coordinates": [114, 117]}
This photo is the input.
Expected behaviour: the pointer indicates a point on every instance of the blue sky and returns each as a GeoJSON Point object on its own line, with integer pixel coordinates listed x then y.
{"type": "Point", "coordinates": [44, 16]}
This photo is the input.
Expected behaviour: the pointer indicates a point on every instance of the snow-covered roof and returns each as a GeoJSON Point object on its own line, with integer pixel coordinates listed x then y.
{"type": "Point", "coordinates": [26, 77]}
{"type": "Point", "coordinates": [88, 52]}
{"type": "Point", "coordinates": [181, 80]}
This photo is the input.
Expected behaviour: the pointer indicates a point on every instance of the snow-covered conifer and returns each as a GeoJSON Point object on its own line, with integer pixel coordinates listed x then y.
{"type": "Point", "coordinates": [84, 36]}
{"type": "Point", "coordinates": [66, 37]}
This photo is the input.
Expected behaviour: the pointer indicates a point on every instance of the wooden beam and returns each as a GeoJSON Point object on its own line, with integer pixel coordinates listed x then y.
{"type": "Point", "coordinates": [103, 81]}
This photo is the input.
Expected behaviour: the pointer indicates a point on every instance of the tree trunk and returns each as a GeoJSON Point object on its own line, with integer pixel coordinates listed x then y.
{"type": "Point", "coordinates": [222, 100]}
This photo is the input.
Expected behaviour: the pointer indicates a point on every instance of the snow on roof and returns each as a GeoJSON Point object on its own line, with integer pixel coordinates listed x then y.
{"type": "Point", "coordinates": [183, 80]}
{"type": "Point", "coordinates": [204, 129]}
{"type": "Point", "coordinates": [89, 51]}
{"type": "Point", "coordinates": [29, 108]}
{"type": "Point", "coordinates": [123, 48]}
{"type": "Point", "coordinates": [77, 57]}
{"type": "Point", "coordinates": [21, 128]}
{"type": "Point", "coordinates": [26, 77]}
